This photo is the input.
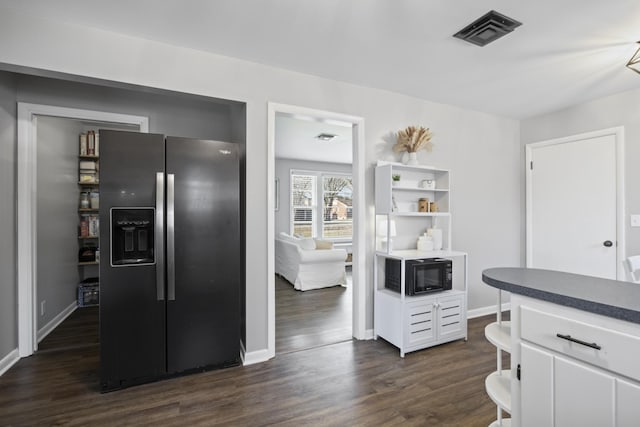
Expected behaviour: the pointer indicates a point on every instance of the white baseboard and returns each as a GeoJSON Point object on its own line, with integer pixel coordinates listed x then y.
{"type": "Point", "coordinates": [53, 323]}
{"type": "Point", "coordinates": [483, 311]}
{"type": "Point", "coordinates": [368, 334]}
{"type": "Point", "coordinates": [253, 357]}
{"type": "Point", "coordinates": [9, 360]}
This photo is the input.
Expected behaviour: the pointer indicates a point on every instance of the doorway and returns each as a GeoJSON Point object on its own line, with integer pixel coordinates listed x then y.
{"type": "Point", "coordinates": [31, 254]}
{"type": "Point", "coordinates": [356, 125]}
{"type": "Point", "coordinates": [575, 204]}
{"type": "Point", "coordinates": [313, 167]}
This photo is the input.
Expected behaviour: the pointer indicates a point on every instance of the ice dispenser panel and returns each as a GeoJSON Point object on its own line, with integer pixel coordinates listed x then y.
{"type": "Point", "coordinates": [132, 231]}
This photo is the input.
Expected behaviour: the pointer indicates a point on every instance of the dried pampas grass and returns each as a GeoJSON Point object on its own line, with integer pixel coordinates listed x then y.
{"type": "Point", "coordinates": [413, 139]}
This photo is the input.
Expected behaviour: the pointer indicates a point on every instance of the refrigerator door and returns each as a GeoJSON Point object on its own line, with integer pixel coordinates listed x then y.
{"type": "Point", "coordinates": [132, 308]}
{"type": "Point", "coordinates": [203, 254]}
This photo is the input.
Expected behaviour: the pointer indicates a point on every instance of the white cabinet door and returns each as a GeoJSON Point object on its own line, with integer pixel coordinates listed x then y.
{"type": "Point", "coordinates": [450, 316]}
{"type": "Point", "coordinates": [559, 392]}
{"type": "Point", "coordinates": [583, 396]}
{"type": "Point", "coordinates": [536, 385]}
{"type": "Point", "coordinates": [627, 404]}
{"type": "Point", "coordinates": [420, 324]}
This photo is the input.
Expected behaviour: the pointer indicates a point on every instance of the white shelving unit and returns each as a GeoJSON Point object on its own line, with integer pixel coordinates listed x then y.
{"type": "Point", "coordinates": [415, 322]}
{"type": "Point", "coordinates": [498, 383]}
{"type": "Point", "coordinates": [398, 204]}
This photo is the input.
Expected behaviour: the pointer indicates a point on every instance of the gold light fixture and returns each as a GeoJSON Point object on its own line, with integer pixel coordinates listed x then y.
{"type": "Point", "coordinates": [634, 62]}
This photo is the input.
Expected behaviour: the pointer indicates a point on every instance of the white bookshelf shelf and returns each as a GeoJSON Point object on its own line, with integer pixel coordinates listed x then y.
{"type": "Point", "coordinates": [499, 334]}
{"type": "Point", "coordinates": [498, 386]}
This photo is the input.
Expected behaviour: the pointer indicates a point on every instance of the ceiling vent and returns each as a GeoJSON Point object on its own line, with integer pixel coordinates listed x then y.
{"type": "Point", "coordinates": [325, 136]}
{"type": "Point", "coordinates": [487, 28]}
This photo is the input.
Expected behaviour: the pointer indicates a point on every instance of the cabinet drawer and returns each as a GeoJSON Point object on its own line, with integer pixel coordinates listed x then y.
{"type": "Point", "coordinates": [615, 351]}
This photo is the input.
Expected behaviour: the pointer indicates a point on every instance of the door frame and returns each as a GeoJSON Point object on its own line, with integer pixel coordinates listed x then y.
{"type": "Point", "coordinates": [618, 134]}
{"type": "Point", "coordinates": [359, 218]}
{"type": "Point", "coordinates": [27, 194]}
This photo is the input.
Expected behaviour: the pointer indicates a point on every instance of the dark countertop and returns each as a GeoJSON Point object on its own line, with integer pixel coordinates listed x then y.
{"type": "Point", "coordinates": [612, 298]}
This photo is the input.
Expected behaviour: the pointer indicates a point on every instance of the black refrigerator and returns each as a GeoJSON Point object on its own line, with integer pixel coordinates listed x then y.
{"type": "Point", "coordinates": [170, 257]}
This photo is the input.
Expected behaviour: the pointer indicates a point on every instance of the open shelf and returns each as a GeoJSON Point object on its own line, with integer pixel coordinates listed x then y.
{"type": "Point", "coordinates": [498, 386]}
{"type": "Point", "coordinates": [499, 334]}
{"type": "Point", "coordinates": [421, 189]}
{"type": "Point", "coordinates": [89, 263]}
{"type": "Point", "coordinates": [420, 214]}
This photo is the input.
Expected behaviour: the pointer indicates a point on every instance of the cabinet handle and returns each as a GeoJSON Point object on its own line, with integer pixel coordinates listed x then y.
{"type": "Point", "coordinates": [577, 341]}
{"type": "Point", "coordinates": [159, 236]}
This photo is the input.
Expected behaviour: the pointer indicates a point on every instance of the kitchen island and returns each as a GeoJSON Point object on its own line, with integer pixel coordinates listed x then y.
{"type": "Point", "coordinates": [575, 346]}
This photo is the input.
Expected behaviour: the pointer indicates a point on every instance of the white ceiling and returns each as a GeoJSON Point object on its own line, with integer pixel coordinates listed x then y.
{"type": "Point", "coordinates": [296, 139]}
{"type": "Point", "coordinates": [565, 53]}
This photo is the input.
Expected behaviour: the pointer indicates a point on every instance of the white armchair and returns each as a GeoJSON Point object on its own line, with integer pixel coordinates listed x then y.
{"type": "Point", "coordinates": [306, 267]}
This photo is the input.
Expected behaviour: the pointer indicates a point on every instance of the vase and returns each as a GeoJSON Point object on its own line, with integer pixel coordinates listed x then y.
{"type": "Point", "coordinates": [412, 159]}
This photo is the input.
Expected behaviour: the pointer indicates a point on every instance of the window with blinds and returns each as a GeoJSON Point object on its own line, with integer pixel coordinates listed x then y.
{"type": "Point", "coordinates": [337, 197]}
{"type": "Point", "coordinates": [303, 205]}
{"type": "Point", "coordinates": [321, 205]}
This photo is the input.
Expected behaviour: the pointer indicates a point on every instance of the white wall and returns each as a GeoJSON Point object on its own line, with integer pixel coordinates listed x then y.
{"type": "Point", "coordinates": [616, 110]}
{"type": "Point", "coordinates": [482, 150]}
{"type": "Point", "coordinates": [283, 173]}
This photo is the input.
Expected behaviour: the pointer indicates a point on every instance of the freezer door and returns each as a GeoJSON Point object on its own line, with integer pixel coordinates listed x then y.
{"type": "Point", "coordinates": [132, 314]}
{"type": "Point", "coordinates": [203, 254]}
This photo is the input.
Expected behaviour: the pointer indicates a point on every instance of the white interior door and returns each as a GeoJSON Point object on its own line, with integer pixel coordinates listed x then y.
{"type": "Point", "coordinates": [572, 205]}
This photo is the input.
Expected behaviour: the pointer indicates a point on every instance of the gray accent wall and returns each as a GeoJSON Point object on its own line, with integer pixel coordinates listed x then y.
{"type": "Point", "coordinates": [239, 136]}
{"type": "Point", "coordinates": [8, 288]}
{"type": "Point", "coordinates": [169, 113]}
{"type": "Point", "coordinates": [612, 111]}
{"type": "Point", "coordinates": [57, 271]}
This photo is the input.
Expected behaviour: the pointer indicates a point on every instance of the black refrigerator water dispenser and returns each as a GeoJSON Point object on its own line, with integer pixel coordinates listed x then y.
{"type": "Point", "coordinates": [132, 232]}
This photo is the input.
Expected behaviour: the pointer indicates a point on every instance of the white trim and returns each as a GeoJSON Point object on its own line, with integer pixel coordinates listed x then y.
{"type": "Point", "coordinates": [53, 323]}
{"type": "Point", "coordinates": [618, 133]}
{"type": "Point", "coordinates": [359, 216]}
{"type": "Point", "coordinates": [483, 311]}
{"type": "Point", "coordinates": [9, 360]}
{"type": "Point", "coordinates": [27, 192]}
{"type": "Point", "coordinates": [253, 357]}
{"type": "Point", "coordinates": [368, 334]}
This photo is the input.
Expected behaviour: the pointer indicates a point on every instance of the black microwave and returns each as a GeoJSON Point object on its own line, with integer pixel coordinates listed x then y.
{"type": "Point", "coordinates": [421, 276]}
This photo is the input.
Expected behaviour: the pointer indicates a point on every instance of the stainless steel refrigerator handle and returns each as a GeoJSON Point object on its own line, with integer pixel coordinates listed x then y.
{"type": "Point", "coordinates": [171, 242]}
{"type": "Point", "coordinates": [159, 236]}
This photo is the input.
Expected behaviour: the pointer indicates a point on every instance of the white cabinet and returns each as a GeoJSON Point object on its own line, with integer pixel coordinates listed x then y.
{"type": "Point", "coordinates": [627, 408]}
{"type": "Point", "coordinates": [577, 368]}
{"type": "Point", "coordinates": [405, 210]}
{"type": "Point", "coordinates": [557, 391]}
{"type": "Point", "coordinates": [415, 322]}
{"type": "Point", "coordinates": [434, 319]}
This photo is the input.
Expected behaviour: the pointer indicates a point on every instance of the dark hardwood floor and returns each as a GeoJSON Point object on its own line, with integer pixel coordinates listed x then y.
{"type": "Point", "coordinates": [361, 383]}
{"type": "Point", "coordinates": [312, 318]}
{"type": "Point", "coordinates": [77, 331]}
